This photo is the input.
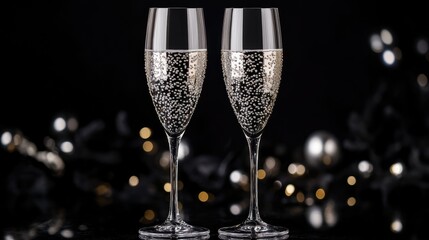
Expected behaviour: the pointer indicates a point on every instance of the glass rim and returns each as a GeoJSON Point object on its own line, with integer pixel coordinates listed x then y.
{"type": "Point", "coordinates": [178, 8]}
{"type": "Point", "coordinates": [252, 8]}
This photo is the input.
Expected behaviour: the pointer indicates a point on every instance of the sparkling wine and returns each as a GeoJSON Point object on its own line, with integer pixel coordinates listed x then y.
{"type": "Point", "coordinates": [252, 80]}
{"type": "Point", "coordinates": [175, 80]}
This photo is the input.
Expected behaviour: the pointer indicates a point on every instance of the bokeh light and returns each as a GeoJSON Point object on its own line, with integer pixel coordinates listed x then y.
{"type": "Point", "coordinates": [164, 160]}
{"type": "Point", "coordinates": [315, 216]}
{"type": "Point", "coordinates": [386, 36]}
{"type": "Point", "coordinates": [396, 169]}
{"type": "Point", "coordinates": [396, 226]}
{"type": "Point", "coordinates": [133, 181]}
{"type": "Point", "coordinates": [167, 187]}
{"type": "Point", "coordinates": [376, 43]}
{"type": "Point", "coordinates": [149, 214]}
{"type": "Point", "coordinates": [321, 149]}
{"type": "Point", "coordinates": [422, 46]}
{"type": "Point", "coordinates": [300, 197]}
{"type": "Point", "coordinates": [66, 147]}
{"type": "Point", "coordinates": [389, 57]}
{"type": "Point", "coordinates": [235, 209]}
{"type": "Point", "coordinates": [59, 124]}
{"type": "Point", "coordinates": [351, 201]}
{"type": "Point", "coordinates": [365, 168]}
{"type": "Point", "coordinates": [148, 146]}
{"type": "Point", "coordinates": [67, 233]}
{"type": "Point", "coordinates": [422, 80]}
{"type": "Point", "coordinates": [6, 138]}
{"type": "Point", "coordinates": [203, 196]}
{"type": "Point", "coordinates": [320, 193]}
{"type": "Point", "coordinates": [145, 133]}
{"type": "Point", "coordinates": [351, 180]}
{"type": "Point", "coordinates": [72, 124]}
{"type": "Point", "coordinates": [261, 174]}
{"type": "Point", "coordinates": [289, 190]}
{"type": "Point", "coordinates": [296, 169]}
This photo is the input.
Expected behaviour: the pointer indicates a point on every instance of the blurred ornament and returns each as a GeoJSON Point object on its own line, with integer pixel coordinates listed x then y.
{"type": "Point", "coordinates": [322, 150]}
{"type": "Point", "coordinates": [322, 217]}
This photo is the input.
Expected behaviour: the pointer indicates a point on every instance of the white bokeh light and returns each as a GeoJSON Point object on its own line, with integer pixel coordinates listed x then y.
{"type": "Point", "coordinates": [376, 43]}
{"type": "Point", "coordinates": [396, 169]}
{"type": "Point", "coordinates": [389, 57]}
{"type": "Point", "coordinates": [235, 209]}
{"type": "Point", "coordinates": [235, 176]}
{"type": "Point", "coordinates": [67, 147]}
{"type": "Point", "coordinates": [6, 138]}
{"type": "Point", "coordinates": [365, 168]}
{"type": "Point", "coordinates": [422, 80]}
{"type": "Point", "coordinates": [315, 146]}
{"type": "Point", "coordinates": [315, 216]}
{"type": "Point", "coordinates": [396, 226]}
{"type": "Point", "coordinates": [386, 37]}
{"type": "Point", "coordinates": [59, 124]}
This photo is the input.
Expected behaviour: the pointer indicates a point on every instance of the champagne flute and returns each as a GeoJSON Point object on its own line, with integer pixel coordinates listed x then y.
{"type": "Point", "coordinates": [175, 65]}
{"type": "Point", "coordinates": [252, 59]}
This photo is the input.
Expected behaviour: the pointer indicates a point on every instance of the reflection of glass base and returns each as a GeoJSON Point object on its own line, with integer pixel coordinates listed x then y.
{"type": "Point", "coordinates": [175, 230]}
{"type": "Point", "coordinates": [253, 229]}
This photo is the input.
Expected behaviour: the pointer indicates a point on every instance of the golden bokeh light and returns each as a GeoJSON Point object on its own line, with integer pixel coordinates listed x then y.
{"type": "Point", "coordinates": [320, 193]}
{"type": "Point", "coordinates": [145, 133]}
{"type": "Point", "coordinates": [351, 201]}
{"type": "Point", "coordinates": [261, 174]}
{"type": "Point", "coordinates": [351, 180]}
{"type": "Point", "coordinates": [133, 181]}
{"type": "Point", "coordinates": [300, 197]}
{"type": "Point", "coordinates": [167, 187]}
{"type": "Point", "coordinates": [289, 190]}
{"type": "Point", "coordinates": [147, 146]}
{"type": "Point", "coordinates": [103, 190]}
{"type": "Point", "coordinates": [149, 214]}
{"type": "Point", "coordinates": [203, 196]}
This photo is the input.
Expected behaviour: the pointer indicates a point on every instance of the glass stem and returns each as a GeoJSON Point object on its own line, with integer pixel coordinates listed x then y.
{"type": "Point", "coordinates": [173, 213]}
{"type": "Point", "coordinates": [253, 143]}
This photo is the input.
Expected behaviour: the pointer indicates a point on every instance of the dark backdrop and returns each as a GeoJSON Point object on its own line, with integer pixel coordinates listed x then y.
{"type": "Point", "coordinates": [85, 59]}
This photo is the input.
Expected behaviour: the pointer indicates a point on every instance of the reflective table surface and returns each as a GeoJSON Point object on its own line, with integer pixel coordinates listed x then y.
{"type": "Point", "coordinates": [104, 218]}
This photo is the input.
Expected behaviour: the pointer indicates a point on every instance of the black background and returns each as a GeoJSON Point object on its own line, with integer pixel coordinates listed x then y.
{"type": "Point", "coordinates": [86, 58]}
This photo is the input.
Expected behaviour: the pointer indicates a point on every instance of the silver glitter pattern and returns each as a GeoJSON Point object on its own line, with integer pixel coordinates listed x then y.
{"type": "Point", "coordinates": [252, 80]}
{"type": "Point", "coordinates": [175, 80]}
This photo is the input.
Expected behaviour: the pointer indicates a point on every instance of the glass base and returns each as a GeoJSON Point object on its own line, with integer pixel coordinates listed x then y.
{"type": "Point", "coordinates": [253, 229]}
{"type": "Point", "coordinates": [175, 230]}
